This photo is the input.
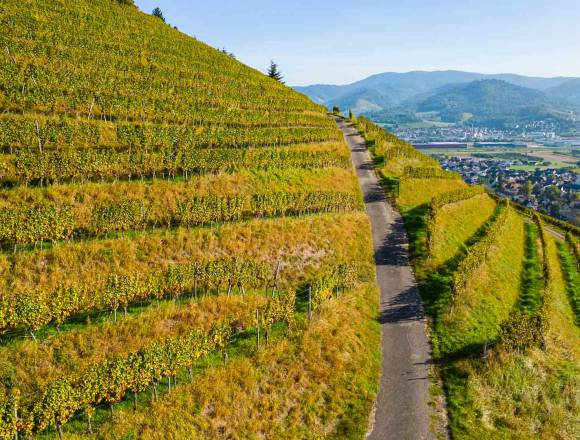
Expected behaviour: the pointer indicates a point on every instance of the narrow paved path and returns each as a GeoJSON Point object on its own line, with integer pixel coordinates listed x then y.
{"type": "Point", "coordinates": [402, 410]}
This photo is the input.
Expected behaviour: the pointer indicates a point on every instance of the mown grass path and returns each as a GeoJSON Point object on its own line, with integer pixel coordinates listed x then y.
{"type": "Point", "coordinates": [402, 409]}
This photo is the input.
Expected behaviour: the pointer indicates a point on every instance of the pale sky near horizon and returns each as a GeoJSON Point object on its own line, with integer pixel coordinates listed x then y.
{"type": "Point", "coordinates": [338, 42]}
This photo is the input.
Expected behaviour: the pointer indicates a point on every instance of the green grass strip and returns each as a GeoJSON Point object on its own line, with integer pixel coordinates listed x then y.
{"type": "Point", "coordinates": [572, 278]}
{"type": "Point", "coordinates": [532, 284]}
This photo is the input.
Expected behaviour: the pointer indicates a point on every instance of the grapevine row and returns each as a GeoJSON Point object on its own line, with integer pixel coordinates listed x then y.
{"type": "Point", "coordinates": [28, 133]}
{"type": "Point", "coordinates": [429, 173]}
{"type": "Point", "coordinates": [44, 221]}
{"type": "Point", "coordinates": [34, 309]}
{"type": "Point", "coordinates": [109, 381]}
{"type": "Point", "coordinates": [477, 254]}
{"type": "Point", "coordinates": [31, 166]}
{"type": "Point", "coordinates": [21, 130]}
{"type": "Point", "coordinates": [456, 196]}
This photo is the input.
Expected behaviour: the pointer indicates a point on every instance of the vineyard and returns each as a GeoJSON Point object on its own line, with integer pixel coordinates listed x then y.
{"type": "Point", "coordinates": [169, 216]}
{"type": "Point", "coordinates": [500, 287]}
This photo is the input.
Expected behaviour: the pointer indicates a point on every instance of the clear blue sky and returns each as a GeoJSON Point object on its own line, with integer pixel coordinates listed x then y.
{"type": "Point", "coordinates": [339, 41]}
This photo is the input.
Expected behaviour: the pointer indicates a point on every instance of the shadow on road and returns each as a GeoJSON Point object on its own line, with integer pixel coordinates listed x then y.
{"type": "Point", "coordinates": [392, 252]}
{"type": "Point", "coordinates": [403, 307]}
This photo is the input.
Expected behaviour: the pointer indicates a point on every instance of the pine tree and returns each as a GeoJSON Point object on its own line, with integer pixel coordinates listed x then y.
{"type": "Point", "coordinates": [274, 73]}
{"type": "Point", "coordinates": [157, 13]}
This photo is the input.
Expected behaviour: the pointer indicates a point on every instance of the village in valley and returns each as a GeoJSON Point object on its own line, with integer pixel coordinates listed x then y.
{"type": "Point", "coordinates": [554, 191]}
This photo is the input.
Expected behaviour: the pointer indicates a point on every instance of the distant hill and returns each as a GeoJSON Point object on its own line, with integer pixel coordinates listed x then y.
{"type": "Point", "coordinates": [490, 98]}
{"type": "Point", "coordinates": [387, 90]}
{"type": "Point", "coordinates": [569, 91]}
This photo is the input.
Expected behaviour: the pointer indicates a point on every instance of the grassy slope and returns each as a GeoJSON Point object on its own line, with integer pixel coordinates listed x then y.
{"type": "Point", "coordinates": [532, 395]}
{"type": "Point", "coordinates": [492, 292]}
{"type": "Point", "coordinates": [416, 192]}
{"type": "Point", "coordinates": [572, 277]}
{"type": "Point", "coordinates": [532, 282]}
{"type": "Point", "coordinates": [457, 223]}
{"type": "Point", "coordinates": [503, 395]}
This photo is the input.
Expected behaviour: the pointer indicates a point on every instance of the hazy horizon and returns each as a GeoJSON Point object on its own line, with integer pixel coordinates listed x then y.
{"type": "Point", "coordinates": [341, 42]}
{"type": "Point", "coordinates": [442, 70]}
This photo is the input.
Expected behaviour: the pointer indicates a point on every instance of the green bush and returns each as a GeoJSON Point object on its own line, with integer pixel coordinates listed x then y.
{"type": "Point", "coordinates": [522, 331]}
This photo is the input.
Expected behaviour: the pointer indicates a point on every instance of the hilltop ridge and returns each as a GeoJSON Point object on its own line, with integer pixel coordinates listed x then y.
{"type": "Point", "coordinates": [392, 90]}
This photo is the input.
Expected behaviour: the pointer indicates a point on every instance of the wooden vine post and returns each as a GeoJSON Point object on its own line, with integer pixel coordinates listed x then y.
{"type": "Point", "coordinates": [275, 286]}
{"type": "Point", "coordinates": [195, 280]}
{"type": "Point", "coordinates": [310, 303]}
{"type": "Point", "coordinates": [258, 329]}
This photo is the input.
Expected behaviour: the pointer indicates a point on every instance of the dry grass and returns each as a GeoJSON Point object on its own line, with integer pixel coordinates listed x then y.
{"type": "Point", "coordinates": [161, 197]}
{"type": "Point", "coordinates": [31, 365]}
{"type": "Point", "coordinates": [298, 242]}
{"type": "Point", "coordinates": [316, 383]}
{"type": "Point", "coordinates": [396, 166]}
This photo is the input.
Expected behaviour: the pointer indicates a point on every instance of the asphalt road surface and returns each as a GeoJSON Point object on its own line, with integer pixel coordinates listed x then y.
{"type": "Point", "coordinates": [402, 409]}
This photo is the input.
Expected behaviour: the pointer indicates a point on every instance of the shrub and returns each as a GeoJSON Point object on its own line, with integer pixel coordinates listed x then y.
{"type": "Point", "coordinates": [523, 331]}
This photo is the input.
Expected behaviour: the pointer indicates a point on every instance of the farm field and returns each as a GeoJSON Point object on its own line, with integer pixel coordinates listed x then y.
{"type": "Point", "coordinates": [183, 244]}
{"type": "Point", "coordinates": [557, 157]}
{"type": "Point", "coordinates": [500, 292]}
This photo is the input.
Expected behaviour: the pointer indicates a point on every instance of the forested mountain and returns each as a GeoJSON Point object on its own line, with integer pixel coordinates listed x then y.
{"type": "Point", "coordinates": [487, 100]}
{"type": "Point", "coordinates": [568, 91]}
{"type": "Point", "coordinates": [168, 216]}
{"type": "Point", "coordinates": [485, 97]}
{"type": "Point", "coordinates": [388, 90]}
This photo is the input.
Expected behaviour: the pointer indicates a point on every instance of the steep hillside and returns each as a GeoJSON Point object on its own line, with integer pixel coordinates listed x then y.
{"type": "Point", "coordinates": [390, 89]}
{"type": "Point", "coordinates": [500, 288]}
{"type": "Point", "coordinates": [485, 99]}
{"type": "Point", "coordinates": [179, 234]}
{"type": "Point", "coordinates": [568, 91]}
